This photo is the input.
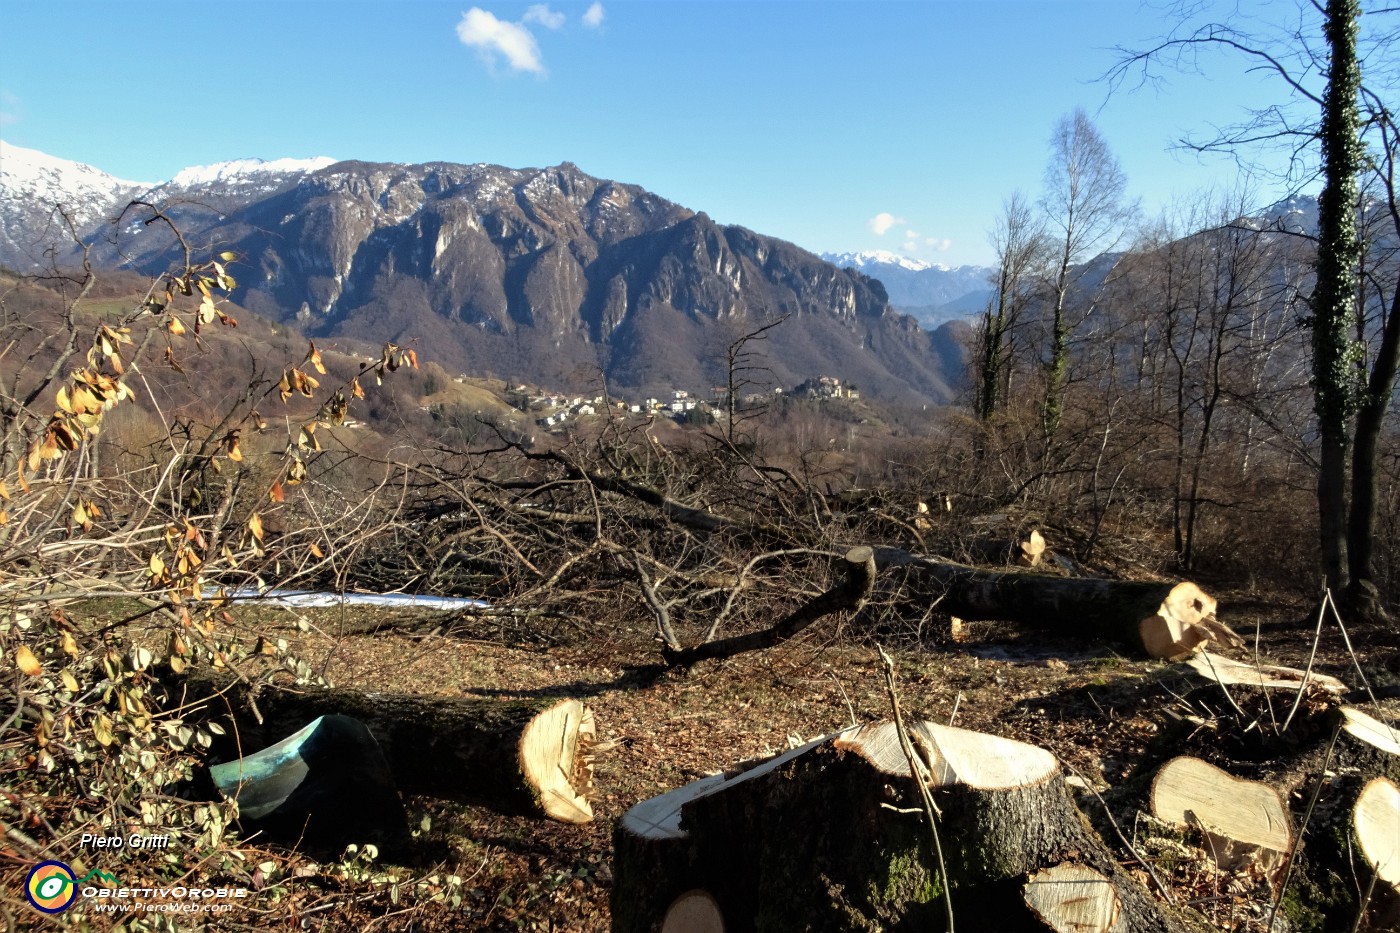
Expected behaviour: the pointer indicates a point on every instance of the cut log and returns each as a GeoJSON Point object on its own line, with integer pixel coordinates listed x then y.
{"type": "Point", "coordinates": [833, 833]}
{"type": "Point", "coordinates": [518, 756]}
{"type": "Point", "coordinates": [1162, 620]}
{"type": "Point", "coordinates": [1071, 898]}
{"type": "Point", "coordinates": [1376, 821]}
{"type": "Point", "coordinates": [1242, 822]}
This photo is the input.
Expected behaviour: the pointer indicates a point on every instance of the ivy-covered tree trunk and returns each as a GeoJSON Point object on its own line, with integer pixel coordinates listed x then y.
{"type": "Point", "coordinates": [1363, 596]}
{"type": "Point", "coordinates": [1334, 298]}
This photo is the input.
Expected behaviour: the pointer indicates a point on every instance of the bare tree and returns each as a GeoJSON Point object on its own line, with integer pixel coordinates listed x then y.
{"type": "Point", "coordinates": [1019, 241]}
{"type": "Point", "coordinates": [1084, 216]}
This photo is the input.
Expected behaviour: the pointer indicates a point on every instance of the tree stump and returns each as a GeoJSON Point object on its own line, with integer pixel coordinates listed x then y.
{"type": "Point", "coordinates": [1320, 766]}
{"type": "Point", "coordinates": [832, 836]}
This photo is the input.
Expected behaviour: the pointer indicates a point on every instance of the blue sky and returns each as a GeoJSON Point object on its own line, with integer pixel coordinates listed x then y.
{"type": "Point", "coordinates": [802, 120]}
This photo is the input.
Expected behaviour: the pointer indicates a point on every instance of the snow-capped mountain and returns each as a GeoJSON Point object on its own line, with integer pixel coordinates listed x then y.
{"type": "Point", "coordinates": [227, 186]}
{"type": "Point", "coordinates": [933, 293]}
{"type": "Point", "coordinates": [878, 258]}
{"type": "Point", "coordinates": [33, 182]}
{"type": "Point", "coordinates": [240, 170]}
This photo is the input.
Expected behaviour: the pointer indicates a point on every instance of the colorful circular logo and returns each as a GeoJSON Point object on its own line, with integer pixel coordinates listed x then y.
{"type": "Point", "coordinates": [51, 887]}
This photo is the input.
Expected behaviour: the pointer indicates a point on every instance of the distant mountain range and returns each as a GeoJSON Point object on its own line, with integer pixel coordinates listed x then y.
{"type": "Point", "coordinates": [545, 275]}
{"type": "Point", "coordinates": [935, 294]}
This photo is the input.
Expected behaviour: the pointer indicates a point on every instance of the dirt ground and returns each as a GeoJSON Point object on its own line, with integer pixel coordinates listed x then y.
{"type": "Point", "coordinates": [1097, 710]}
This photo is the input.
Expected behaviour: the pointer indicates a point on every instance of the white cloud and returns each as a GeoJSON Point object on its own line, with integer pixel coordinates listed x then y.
{"type": "Point", "coordinates": [883, 221]}
{"type": "Point", "coordinates": [593, 18]}
{"type": "Point", "coordinates": [542, 14]}
{"type": "Point", "coordinates": [481, 30]}
{"type": "Point", "coordinates": [940, 245]}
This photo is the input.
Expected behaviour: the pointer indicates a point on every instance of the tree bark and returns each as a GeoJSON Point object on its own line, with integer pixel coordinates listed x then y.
{"type": "Point", "coordinates": [1161, 620]}
{"type": "Point", "coordinates": [833, 834]}
{"type": "Point", "coordinates": [517, 756]}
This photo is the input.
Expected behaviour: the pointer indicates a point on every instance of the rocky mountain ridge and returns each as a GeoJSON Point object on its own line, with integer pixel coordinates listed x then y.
{"type": "Point", "coordinates": [548, 275]}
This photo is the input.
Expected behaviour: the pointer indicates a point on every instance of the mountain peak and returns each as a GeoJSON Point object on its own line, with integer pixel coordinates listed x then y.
{"type": "Point", "coordinates": [879, 257]}
{"type": "Point", "coordinates": [241, 168]}
{"type": "Point", "coordinates": [33, 184]}
{"type": "Point", "coordinates": [18, 163]}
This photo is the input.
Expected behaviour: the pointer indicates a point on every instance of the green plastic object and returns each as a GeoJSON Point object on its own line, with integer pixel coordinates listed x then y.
{"type": "Point", "coordinates": [264, 780]}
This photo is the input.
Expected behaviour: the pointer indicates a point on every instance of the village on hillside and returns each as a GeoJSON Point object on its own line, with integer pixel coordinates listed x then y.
{"type": "Point", "coordinates": [552, 410]}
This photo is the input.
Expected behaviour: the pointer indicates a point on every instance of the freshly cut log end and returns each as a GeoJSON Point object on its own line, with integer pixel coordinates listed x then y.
{"type": "Point", "coordinates": [1183, 622]}
{"type": "Point", "coordinates": [1370, 730]}
{"type": "Point", "coordinates": [693, 912]}
{"type": "Point", "coordinates": [1242, 821]}
{"type": "Point", "coordinates": [1376, 821]}
{"type": "Point", "coordinates": [1032, 549]}
{"type": "Point", "coordinates": [957, 756]}
{"type": "Point", "coordinates": [1072, 898]}
{"type": "Point", "coordinates": [556, 759]}
{"type": "Point", "coordinates": [831, 836]}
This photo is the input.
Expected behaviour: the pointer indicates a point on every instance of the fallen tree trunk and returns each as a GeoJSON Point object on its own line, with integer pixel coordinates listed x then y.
{"type": "Point", "coordinates": [1161, 620]}
{"type": "Point", "coordinates": [518, 756]}
{"type": "Point", "coordinates": [833, 834]}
